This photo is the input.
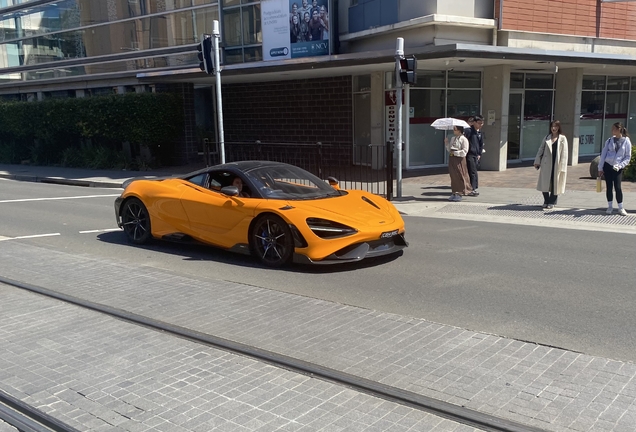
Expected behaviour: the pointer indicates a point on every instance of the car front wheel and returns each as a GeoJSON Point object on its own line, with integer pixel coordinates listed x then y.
{"type": "Point", "coordinates": [136, 221]}
{"type": "Point", "coordinates": [271, 241]}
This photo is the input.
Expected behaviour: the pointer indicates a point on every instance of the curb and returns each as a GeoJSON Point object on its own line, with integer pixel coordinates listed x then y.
{"type": "Point", "coordinates": [61, 181]}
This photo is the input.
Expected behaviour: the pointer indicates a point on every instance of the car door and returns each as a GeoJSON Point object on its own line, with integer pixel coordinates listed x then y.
{"type": "Point", "coordinates": [217, 218]}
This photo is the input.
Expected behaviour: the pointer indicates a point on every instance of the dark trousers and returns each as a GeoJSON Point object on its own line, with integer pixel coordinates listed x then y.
{"type": "Point", "coordinates": [550, 198]}
{"type": "Point", "coordinates": [471, 165]}
{"type": "Point", "coordinates": [613, 179]}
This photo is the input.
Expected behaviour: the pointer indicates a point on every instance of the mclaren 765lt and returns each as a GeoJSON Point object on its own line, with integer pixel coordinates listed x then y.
{"type": "Point", "coordinates": [274, 211]}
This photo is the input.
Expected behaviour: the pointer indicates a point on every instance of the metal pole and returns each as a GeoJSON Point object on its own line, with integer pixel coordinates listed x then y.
{"type": "Point", "coordinates": [217, 77]}
{"type": "Point", "coordinates": [399, 52]}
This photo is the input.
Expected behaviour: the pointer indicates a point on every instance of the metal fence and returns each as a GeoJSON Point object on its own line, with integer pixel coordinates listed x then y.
{"type": "Point", "coordinates": [366, 167]}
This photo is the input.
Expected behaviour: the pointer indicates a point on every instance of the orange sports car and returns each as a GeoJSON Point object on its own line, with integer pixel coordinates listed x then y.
{"type": "Point", "coordinates": [274, 211]}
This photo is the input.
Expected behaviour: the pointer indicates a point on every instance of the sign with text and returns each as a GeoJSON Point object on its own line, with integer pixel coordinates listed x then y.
{"type": "Point", "coordinates": [275, 26]}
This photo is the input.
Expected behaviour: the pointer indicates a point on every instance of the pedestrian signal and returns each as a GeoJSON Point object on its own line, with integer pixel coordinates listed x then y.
{"type": "Point", "coordinates": [408, 70]}
{"type": "Point", "coordinates": [205, 54]}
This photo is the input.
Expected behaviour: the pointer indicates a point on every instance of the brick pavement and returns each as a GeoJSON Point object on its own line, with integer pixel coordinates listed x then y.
{"type": "Point", "coordinates": [97, 373]}
{"type": "Point", "coordinates": [536, 385]}
{"type": "Point", "coordinates": [521, 176]}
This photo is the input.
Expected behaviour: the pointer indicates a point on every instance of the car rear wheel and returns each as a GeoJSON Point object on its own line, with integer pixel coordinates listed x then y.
{"type": "Point", "coordinates": [271, 241]}
{"type": "Point", "coordinates": [136, 221]}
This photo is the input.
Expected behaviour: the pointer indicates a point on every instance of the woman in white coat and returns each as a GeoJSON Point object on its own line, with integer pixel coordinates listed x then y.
{"type": "Point", "coordinates": [552, 161]}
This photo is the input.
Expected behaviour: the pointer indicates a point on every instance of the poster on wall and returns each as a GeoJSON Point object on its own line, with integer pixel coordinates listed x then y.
{"type": "Point", "coordinates": [295, 28]}
{"type": "Point", "coordinates": [275, 27]}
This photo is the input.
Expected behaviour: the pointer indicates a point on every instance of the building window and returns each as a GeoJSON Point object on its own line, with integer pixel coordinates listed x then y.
{"type": "Point", "coordinates": [437, 94]}
{"type": "Point", "coordinates": [242, 34]}
{"type": "Point", "coordinates": [605, 100]}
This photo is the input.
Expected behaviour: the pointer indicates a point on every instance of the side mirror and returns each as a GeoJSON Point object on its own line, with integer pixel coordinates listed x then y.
{"type": "Point", "coordinates": [230, 191]}
{"type": "Point", "coordinates": [333, 182]}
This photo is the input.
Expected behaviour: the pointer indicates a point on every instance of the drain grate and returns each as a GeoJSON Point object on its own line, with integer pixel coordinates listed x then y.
{"type": "Point", "coordinates": [534, 212]}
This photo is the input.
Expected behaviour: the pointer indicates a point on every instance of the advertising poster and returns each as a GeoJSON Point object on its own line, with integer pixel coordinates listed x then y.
{"type": "Point", "coordinates": [295, 28]}
{"type": "Point", "coordinates": [309, 28]}
{"type": "Point", "coordinates": [275, 27]}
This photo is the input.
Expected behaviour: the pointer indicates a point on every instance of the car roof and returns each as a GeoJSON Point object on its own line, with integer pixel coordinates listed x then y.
{"type": "Point", "coordinates": [241, 166]}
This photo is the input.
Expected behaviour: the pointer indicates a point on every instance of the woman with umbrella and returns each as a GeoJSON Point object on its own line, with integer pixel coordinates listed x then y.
{"type": "Point", "coordinates": [457, 148]}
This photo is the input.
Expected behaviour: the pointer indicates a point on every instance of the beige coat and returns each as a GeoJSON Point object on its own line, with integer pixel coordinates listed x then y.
{"type": "Point", "coordinates": [544, 159]}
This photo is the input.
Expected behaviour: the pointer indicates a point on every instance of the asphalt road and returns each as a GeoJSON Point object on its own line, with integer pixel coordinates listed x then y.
{"type": "Point", "coordinates": [566, 288]}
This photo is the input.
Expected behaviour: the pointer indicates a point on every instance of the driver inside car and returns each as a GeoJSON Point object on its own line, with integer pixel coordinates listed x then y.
{"type": "Point", "coordinates": [239, 185]}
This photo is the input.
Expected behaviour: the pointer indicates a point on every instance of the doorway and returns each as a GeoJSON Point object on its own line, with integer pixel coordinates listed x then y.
{"type": "Point", "coordinates": [515, 116]}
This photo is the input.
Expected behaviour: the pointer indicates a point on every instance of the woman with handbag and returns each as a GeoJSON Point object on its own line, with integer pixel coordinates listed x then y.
{"type": "Point", "coordinates": [552, 161]}
{"type": "Point", "coordinates": [616, 154]}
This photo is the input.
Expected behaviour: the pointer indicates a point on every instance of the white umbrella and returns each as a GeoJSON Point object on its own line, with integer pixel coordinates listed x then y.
{"type": "Point", "coordinates": [448, 123]}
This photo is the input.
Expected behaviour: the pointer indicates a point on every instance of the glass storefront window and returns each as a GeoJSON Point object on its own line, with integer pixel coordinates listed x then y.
{"type": "Point", "coordinates": [539, 81]}
{"type": "Point", "coordinates": [516, 80]}
{"type": "Point", "coordinates": [593, 82]}
{"type": "Point", "coordinates": [615, 111]}
{"type": "Point", "coordinates": [389, 80]}
{"type": "Point", "coordinates": [463, 103]}
{"type": "Point", "coordinates": [591, 123]}
{"type": "Point", "coordinates": [435, 79]}
{"type": "Point", "coordinates": [464, 79]}
{"type": "Point", "coordinates": [426, 143]}
{"type": "Point", "coordinates": [617, 83]}
{"type": "Point", "coordinates": [362, 83]}
{"type": "Point", "coordinates": [631, 119]}
{"type": "Point", "coordinates": [362, 119]}
{"type": "Point", "coordinates": [601, 109]}
{"type": "Point", "coordinates": [537, 112]}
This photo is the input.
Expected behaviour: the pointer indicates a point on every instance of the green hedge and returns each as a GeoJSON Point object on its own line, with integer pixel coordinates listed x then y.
{"type": "Point", "coordinates": [91, 131]}
{"type": "Point", "coordinates": [630, 171]}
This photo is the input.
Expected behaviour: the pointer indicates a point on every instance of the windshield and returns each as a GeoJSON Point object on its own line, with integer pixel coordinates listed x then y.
{"type": "Point", "coordinates": [290, 183]}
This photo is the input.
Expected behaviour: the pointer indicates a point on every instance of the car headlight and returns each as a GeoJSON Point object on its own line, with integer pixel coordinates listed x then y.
{"type": "Point", "coordinates": [324, 228]}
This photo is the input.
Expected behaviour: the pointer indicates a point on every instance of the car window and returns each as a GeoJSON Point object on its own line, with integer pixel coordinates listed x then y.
{"type": "Point", "coordinates": [221, 179]}
{"type": "Point", "coordinates": [290, 182]}
{"type": "Point", "coordinates": [198, 179]}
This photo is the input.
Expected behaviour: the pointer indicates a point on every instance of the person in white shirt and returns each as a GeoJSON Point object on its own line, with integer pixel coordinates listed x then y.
{"type": "Point", "coordinates": [457, 148]}
{"type": "Point", "coordinates": [615, 156]}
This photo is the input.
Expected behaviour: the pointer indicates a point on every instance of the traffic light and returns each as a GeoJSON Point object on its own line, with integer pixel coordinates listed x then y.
{"type": "Point", "coordinates": [205, 54]}
{"type": "Point", "coordinates": [408, 70]}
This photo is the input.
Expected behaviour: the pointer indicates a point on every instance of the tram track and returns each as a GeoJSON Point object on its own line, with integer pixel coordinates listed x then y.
{"type": "Point", "coordinates": [440, 408]}
{"type": "Point", "coordinates": [26, 418]}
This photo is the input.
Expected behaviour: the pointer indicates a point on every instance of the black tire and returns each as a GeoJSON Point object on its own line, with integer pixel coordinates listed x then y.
{"type": "Point", "coordinates": [271, 241]}
{"type": "Point", "coordinates": [136, 221]}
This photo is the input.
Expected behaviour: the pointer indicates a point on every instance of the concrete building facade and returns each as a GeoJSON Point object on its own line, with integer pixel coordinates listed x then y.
{"type": "Point", "coordinates": [323, 70]}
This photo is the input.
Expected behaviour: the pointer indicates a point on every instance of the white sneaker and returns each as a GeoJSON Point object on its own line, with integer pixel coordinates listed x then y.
{"type": "Point", "coordinates": [609, 211]}
{"type": "Point", "coordinates": [622, 212]}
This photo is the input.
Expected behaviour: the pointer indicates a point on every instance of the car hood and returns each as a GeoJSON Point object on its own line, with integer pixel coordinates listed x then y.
{"type": "Point", "coordinates": [357, 207]}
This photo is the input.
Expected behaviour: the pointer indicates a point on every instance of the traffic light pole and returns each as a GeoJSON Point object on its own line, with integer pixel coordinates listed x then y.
{"type": "Point", "coordinates": [216, 34]}
{"type": "Point", "coordinates": [399, 54]}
